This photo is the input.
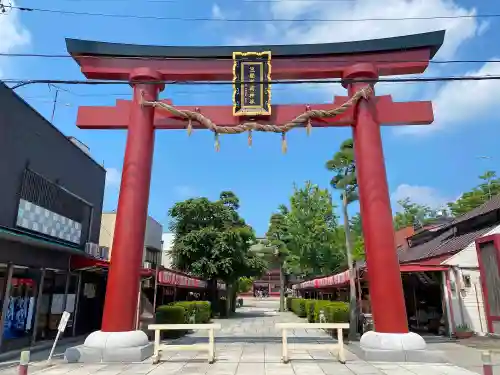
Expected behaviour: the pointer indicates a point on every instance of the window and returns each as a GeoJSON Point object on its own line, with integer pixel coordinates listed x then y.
{"type": "Point", "coordinates": [40, 191]}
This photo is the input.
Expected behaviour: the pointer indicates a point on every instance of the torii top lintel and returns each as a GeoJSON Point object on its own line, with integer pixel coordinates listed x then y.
{"type": "Point", "coordinates": [392, 56]}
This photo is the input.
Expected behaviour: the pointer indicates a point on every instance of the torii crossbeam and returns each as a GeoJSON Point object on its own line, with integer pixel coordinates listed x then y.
{"type": "Point", "coordinates": [368, 59]}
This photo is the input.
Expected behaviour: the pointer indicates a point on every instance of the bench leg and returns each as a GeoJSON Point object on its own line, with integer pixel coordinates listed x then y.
{"type": "Point", "coordinates": [211, 346]}
{"type": "Point", "coordinates": [340, 339]}
{"type": "Point", "coordinates": [284, 347]}
{"type": "Point", "coordinates": [156, 354]}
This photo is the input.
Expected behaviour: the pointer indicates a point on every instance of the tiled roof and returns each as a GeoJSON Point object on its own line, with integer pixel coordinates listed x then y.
{"type": "Point", "coordinates": [401, 235]}
{"type": "Point", "coordinates": [446, 243]}
{"type": "Point", "coordinates": [488, 206]}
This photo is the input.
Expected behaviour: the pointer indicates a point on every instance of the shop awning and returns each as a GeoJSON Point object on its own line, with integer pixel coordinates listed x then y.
{"type": "Point", "coordinates": [170, 278]}
{"type": "Point", "coordinates": [340, 279]}
{"type": "Point", "coordinates": [82, 263]}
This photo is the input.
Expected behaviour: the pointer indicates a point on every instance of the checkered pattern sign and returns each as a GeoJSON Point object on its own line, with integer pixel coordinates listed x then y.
{"type": "Point", "coordinates": [39, 219]}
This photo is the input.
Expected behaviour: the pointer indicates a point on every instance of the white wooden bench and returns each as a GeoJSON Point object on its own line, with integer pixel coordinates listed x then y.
{"type": "Point", "coordinates": [339, 346]}
{"type": "Point", "coordinates": [210, 347]}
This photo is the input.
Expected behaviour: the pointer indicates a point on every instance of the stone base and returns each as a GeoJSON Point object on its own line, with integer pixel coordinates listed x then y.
{"type": "Point", "coordinates": [124, 347]}
{"type": "Point", "coordinates": [396, 347]}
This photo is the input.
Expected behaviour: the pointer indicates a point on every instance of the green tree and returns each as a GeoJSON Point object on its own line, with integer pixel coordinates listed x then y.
{"type": "Point", "coordinates": [312, 229]}
{"type": "Point", "coordinates": [278, 239]}
{"type": "Point", "coordinates": [358, 252]}
{"type": "Point", "coordinates": [488, 188]}
{"type": "Point", "coordinates": [413, 214]}
{"type": "Point", "coordinates": [244, 284]}
{"type": "Point", "coordinates": [344, 168]}
{"type": "Point", "coordinates": [212, 241]}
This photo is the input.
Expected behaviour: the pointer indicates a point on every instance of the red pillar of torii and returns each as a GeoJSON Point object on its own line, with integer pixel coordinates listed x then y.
{"type": "Point", "coordinates": [348, 61]}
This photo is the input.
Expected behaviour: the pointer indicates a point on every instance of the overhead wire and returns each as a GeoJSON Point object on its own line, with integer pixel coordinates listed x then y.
{"type": "Point", "coordinates": [243, 1]}
{"type": "Point", "coordinates": [274, 82]}
{"type": "Point", "coordinates": [212, 19]}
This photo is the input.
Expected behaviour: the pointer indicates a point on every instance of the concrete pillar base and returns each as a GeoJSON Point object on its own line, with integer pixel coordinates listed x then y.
{"type": "Point", "coordinates": [396, 347]}
{"type": "Point", "coordinates": [125, 347]}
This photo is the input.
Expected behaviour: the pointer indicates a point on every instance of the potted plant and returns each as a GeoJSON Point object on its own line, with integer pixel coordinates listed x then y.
{"type": "Point", "coordinates": [463, 331]}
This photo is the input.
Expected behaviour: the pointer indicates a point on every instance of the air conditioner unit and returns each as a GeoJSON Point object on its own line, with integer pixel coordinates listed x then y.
{"type": "Point", "coordinates": [92, 249]}
{"type": "Point", "coordinates": [104, 252]}
{"type": "Point", "coordinates": [147, 265]}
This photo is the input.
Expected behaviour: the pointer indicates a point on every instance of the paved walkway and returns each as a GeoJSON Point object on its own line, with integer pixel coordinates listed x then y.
{"type": "Point", "coordinates": [248, 344]}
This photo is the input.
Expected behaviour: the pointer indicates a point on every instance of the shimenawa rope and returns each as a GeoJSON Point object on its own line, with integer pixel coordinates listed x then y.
{"type": "Point", "coordinates": [304, 118]}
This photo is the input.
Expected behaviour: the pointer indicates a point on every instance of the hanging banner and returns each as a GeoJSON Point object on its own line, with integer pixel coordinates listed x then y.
{"type": "Point", "coordinates": [252, 83]}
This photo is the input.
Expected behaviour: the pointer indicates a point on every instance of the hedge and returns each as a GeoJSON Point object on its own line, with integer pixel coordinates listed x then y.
{"type": "Point", "coordinates": [170, 315]}
{"type": "Point", "coordinates": [335, 311]}
{"type": "Point", "coordinates": [299, 307]}
{"type": "Point", "coordinates": [200, 310]}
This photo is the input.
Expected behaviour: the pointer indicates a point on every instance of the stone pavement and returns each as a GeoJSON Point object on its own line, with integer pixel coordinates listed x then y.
{"type": "Point", "coordinates": [248, 344]}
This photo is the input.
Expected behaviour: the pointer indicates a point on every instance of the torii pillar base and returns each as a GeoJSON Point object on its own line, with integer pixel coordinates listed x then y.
{"type": "Point", "coordinates": [395, 347]}
{"type": "Point", "coordinates": [109, 347]}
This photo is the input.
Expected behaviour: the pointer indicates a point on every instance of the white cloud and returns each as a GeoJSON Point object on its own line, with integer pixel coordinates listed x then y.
{"type": "Point", "coordinates": [458, 31]}
{"type": "Point", "coordinates": [460, 102]}
{"type": "Point", "coordinates": [113, 177]}
{"type": "Point", "coordinates": [13, 35]}
{"type": "Point", "coordinates": [217, 12]}
{"type": "Point", "coordinates": [424, 195]}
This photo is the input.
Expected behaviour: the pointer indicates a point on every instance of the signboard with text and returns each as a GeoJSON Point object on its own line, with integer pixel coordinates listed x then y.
{"type": "Point", "coordinates": [252, 83]}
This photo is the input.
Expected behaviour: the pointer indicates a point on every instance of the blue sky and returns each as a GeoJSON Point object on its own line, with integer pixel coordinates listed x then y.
{"type": "Point", "coordinates": [431, 166]}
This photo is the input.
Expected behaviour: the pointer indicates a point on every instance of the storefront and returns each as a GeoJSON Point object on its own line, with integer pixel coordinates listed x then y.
{"type": "Point", "coordinates": [36, 286]}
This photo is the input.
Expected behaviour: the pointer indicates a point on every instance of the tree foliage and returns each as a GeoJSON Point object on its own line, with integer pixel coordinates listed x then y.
{"type": "Point", "coordinates": [212, 241]}
{"type": "Point", "coordinates": [488, 188]}
{"type": "Point", "coordinates": [312, 232]}
{"type": "Point", "coordinates": [344, 167]}
{"type": "Point", "coordinates": [413, 214]}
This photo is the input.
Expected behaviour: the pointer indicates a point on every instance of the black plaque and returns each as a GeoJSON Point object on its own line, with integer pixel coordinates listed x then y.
{"type": "Point", "coordinates": [252, 83]}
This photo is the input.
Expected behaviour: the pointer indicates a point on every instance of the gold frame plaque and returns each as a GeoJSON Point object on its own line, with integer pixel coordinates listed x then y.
{"type": "Point", "coordinates": [252, 99]}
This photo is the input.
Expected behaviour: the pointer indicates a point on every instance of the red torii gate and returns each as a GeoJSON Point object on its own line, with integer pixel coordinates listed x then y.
{"type": "Point", "coordinates": [349, 61]}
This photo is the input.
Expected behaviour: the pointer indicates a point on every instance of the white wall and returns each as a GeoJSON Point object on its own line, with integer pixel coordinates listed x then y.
{"type": "Point", "coordinates": [168, 241]}
{"type": "Point", "coordinates": [108, 221]}
{"type": "Point", "coordinates": [467, 302]}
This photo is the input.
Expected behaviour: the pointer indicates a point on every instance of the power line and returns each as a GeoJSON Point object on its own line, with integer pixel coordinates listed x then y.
{"type": "Point", "coordinates": [176, 92]}
{"type": "Point", "coordinates": [19, 82]}
{"type": "Point", "coordinates": [244, 1]}
{"type": "Point", "coordinates": [308, 61]}
{"type": "Point", "coordinates": [210, 19]}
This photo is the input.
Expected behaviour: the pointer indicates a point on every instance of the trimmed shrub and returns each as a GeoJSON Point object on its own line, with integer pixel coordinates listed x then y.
{"type": "Point", "coordinates": [299, 307]}
{"type": "Point", "coordinates": [310, 308]}
{"type": "Point", "coordinates": [337, 312]}
{"type": "Point", "coordinates": [200, 310]}
{"type": "Point", "coordinates": [170, 315]}
{"type": "Point", "coordinates": [203, 311]}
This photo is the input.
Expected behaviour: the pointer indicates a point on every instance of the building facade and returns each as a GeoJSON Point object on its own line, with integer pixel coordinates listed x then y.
{"type": "Point", "coordinates": [51, 194]}
{"type": "Point", "coordinates": [152, 255]}
{"type": "Point", "coordinates": [450, 270]}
